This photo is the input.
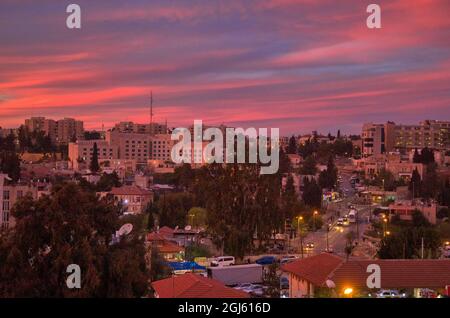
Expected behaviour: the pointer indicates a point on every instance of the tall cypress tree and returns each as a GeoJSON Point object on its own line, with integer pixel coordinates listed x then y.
{"type": "Point", "coordinates": [94, 166]}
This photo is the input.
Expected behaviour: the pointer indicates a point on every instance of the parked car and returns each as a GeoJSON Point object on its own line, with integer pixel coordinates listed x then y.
{"type": "Point", "coordinates": [287, 259]}
{"type": "Point", "coordinates": [388, 294]}
{"type": "Point", "coordinates": [266, 260]}
{"type": "Point", "coordinates": [223, 261]}
{"type": "Point", "coordinates": [257, 290]}
{"type": "Point", "coordinates": [284, 283]}
{"type": "Point", "coordinates": [284, 293]}
{"type": "Point", "coordinates": [310, 246]}
{"type": "Point", "coordinates": [243, 286]}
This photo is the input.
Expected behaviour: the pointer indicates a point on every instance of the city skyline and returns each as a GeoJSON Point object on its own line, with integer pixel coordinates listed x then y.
{"type": "Point", "coordinates": [296, 65]}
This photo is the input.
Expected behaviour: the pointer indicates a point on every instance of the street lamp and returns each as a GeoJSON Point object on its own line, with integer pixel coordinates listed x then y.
{"type": "Point", "coordinates": [314, 220]}
{"type": "Point", "coordinates": [300, 218]}
{"type": "Point", "coordinates": [328, 230]}
{"type": "Point", "coordinates": [385, 220]}
{"type": "Point", "coordinates": [348, 291]}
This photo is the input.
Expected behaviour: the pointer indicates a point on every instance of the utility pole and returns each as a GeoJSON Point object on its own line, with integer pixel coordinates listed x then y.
{"type": "Point", "coordinates": [422, 247]}
{"type": "Point", "coordinates": [151, 112]}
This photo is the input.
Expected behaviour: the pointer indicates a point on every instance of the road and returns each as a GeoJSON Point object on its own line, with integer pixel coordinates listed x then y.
{"type": "Point", "coordinates": [336, 238]}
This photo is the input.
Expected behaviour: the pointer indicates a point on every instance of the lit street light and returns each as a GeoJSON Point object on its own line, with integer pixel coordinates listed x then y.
{"type": "Point", "coordinates": [300, 234]}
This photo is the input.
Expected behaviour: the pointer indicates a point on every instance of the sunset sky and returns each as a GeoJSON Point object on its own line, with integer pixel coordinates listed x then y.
{"type": "Point", "coordinates": [299, 65]}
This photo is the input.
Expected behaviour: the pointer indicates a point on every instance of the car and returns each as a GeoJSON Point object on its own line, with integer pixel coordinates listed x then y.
{"type": "Point", "coordinates": [310, 246]}
{"type": "Point", "coordinates": [287, 259]}
{"type": "Point", "coordinates": [345, 220]}
{"type": "Point", "coordinates": [257, 290]}
{"type": "Point", "coordinates": [284, 293]}
{"type": "Point", "coordinates": [284, 282]}
{"type": "Point", "coordinates": [340, 222]}
{"type": "Point", "coordinates": [266, 260]}
{"type": "Point", "coordinates": [388, 293]}
{"type": "Point", "coordinates": [328, 250]}
{"type": "Point", "coordinates": [243, 286]}
{"type": "Point", "coordinates": [223, 261]}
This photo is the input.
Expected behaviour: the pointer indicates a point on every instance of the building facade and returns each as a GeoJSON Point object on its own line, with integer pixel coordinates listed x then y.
{"type": "Point", "coordinates": [382, 138]}
{"type": "Point", "coordinates": [9, 195]}
{"type": "Point", "coordinates": [60, 131]}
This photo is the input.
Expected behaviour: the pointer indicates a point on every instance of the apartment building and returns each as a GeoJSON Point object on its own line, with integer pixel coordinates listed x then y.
{"type": "Point", "coordinates": [131, 127]}
{"type": "Point", "coordinates": [429, 133]}
{"type": "Point", "coordinates": [382, 138]}
{"type": "Point", "coordinates": [137, 147]}
{"type": "Point", "coordinates": [405, 209]}
{"type": "Point", "coordinates": [374, 139]}
{"type": "Point", "coordinates": [9, 194]}
{"type": "Point", "coordinates": [81, 152]}
{"type": "Point", "coordinates": [60, 131]}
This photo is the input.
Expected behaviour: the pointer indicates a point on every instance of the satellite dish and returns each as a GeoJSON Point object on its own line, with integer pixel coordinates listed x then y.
{"type": "Point", "coordinates": [330, 283]}
{"type": "Point", "coordinates": [125, 229]}
{"type": "Point", "coordinates": [187, 228]}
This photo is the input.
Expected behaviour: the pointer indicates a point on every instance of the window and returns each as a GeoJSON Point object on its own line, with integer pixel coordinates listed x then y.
{"type": "Point", "coordinates": [6, 195]}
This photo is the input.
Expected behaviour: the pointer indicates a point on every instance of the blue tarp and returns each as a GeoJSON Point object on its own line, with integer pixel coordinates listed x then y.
{"type": "Point", "coordinates": [183, 266]}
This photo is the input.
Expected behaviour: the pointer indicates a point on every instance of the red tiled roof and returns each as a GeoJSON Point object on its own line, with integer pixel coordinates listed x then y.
{"type": "Point", "coordinates": [194, 286]}
{"type": "Point", "coordinates": [155, 236]}
{"type": "Point", "coordinates": [129, 190]}
{"type": "Point", "coordinates": [168, 247]}
{"type": "Point", "coordinates": [395, 273]}
{"type": "Point", "coordinates": [315, 268]}
{"type": "Point", "coordinates": [166, 231]}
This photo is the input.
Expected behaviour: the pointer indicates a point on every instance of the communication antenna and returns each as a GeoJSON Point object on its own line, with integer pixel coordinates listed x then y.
{"type": "Point", "coordinates": [151, 111]}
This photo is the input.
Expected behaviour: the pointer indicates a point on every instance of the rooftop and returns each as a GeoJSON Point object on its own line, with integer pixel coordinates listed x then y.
{"type": "Point", "coordinates": [194, 286]}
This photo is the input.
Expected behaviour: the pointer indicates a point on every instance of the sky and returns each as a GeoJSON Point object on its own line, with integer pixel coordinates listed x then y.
{"type": "Point", "coordinates": [297, 65]}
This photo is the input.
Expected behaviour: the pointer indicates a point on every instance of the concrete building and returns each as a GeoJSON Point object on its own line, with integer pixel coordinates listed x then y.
{"type": "Point", "coordinates": [404, 209]}
{"type": "Point", "coordinates": [429, 133]}
{"type": "Point", "coordinates": [131, 127]}
{"type": "Point", "coordinates": [373, 139]}
{"type": "Point", "coordinates": [9, 194]}
{"type": "Point", "coordinates": [134, 199]}
{"type": "Point", "coordinates": [60, 131]}
{"type": "Point", "coordinates": [382, 138]}
{"type": "Point", "coordinates": [80, 152]}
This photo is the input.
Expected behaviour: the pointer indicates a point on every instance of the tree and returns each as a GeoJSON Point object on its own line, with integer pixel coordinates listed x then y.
{"type": "Point", "coordinates": [312, 194]}
{"type": "Point", "coordinates": [289, 199]}
{"type": "Point", "coordinates": [292, 147]}
{"type": "Point", "coordinates": [416, 156]}
{"type": "Point", "coordinates": [431, 183]}
{"type": "Point", "coordinates": [350, 236]}
{"type": "Point", "coordinates": [309, 166]}
{"type": "Point", "coordinates": [197, 217]}
{"type": "Point", "coordinates": [415, 184]}
{"type": "Point", "coordinates": [71, 226]}
{"type": "Point", "coordinates": [94, 166]}
{"type": "Point", "coordinates": [10, 164]}
{"type": "Point", "coordinates": [419, 220]}
{"type": "Point", "coordinates": [173, 209]}
{"type": "Point", "coordinates": [328, 177]}
{"type": "Point", "coordinates": [108, 181]}
{"type": "Point", "coordinates": [407, 243]}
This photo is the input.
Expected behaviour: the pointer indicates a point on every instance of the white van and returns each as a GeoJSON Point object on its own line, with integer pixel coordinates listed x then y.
{"type": "Point", "coordinates": [223, 261]}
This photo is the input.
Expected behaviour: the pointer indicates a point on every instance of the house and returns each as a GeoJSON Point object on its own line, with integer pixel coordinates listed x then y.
{"type": "Point", "coordinates": [295, 160]}
{"type": "Point", "coordinates": [404, 209]}
{"type": "Point", "coordinates": [169, 249]}
{"type": "Point", "coordinates": [194, 286]}
{"type": "Point", "coordinates": [311, 275]}
{"type": "Point", "coordinates": [133, 198]}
